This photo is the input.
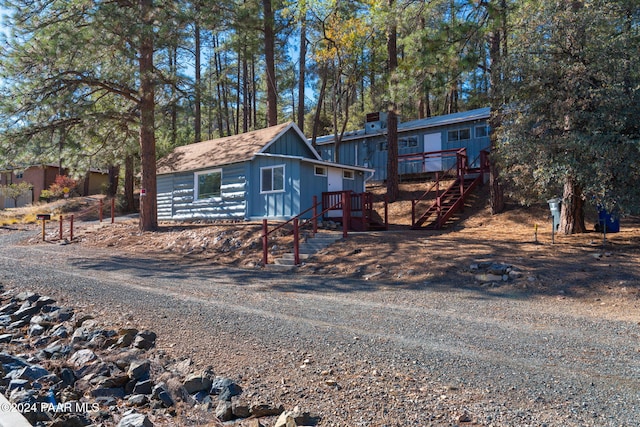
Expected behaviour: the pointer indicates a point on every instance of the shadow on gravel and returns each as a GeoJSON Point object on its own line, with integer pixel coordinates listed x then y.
{"type": "Point", "coordinates": [574, 267]}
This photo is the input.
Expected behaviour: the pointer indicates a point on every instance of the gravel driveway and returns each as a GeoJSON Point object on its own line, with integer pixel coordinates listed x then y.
{"type": "Point", "coordinates": [363, 353]}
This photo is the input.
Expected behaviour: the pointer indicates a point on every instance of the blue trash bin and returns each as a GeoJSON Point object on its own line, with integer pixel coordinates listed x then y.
{"type": "Point", "coordinates": [611, 222]}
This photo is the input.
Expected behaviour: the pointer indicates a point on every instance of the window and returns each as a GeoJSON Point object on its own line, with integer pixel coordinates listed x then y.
{"type": "Point", "coordinates": [459, 135]}
{"type": "Point", "coordinates": [382, 146]}
{"type": "Point", "coordinates": [347, 174]}
{"type": "Point", "coordinates": [320, 171]}
{"type": "Point", "coordinates": [482, 131]}
{"type": "Point", "coordinates": [208, 184]}
{"type": "Point", "coordinates": [272, 179]}
{"type": "Point", "coordinates": [19, 175]}
{"type": "Point", "coordinates": [408, 142]}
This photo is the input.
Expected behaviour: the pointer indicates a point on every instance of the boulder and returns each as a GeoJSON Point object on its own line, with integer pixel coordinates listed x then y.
{"type": "Point", "coordinates": [195, 383]}
{"type": "Point", "coordinates": [135, 420]}
{"type": "Point", "coordinates": [139, 369]}
{"type": "Point", "coordinates": [145, 340]}
{"type": "Point", "coordinates": [225, 388]}
{"type": "Point", "coordinates": [224, 411]}
{"type": "Point", "coordinates": [82, 357]}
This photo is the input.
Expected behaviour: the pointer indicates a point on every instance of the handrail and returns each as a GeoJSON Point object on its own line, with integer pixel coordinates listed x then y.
{"type": "Point", "coordinates": [461, 166]}
{"type": "Point", "coordinates": [455, 165]}
{"type": "Point", "coordinates": [294, 220]}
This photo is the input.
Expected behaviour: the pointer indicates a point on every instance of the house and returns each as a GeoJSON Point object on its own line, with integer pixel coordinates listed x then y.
{"type": "Point", "coordinates": [42, 176]}
{"type": "Point", "coordinates": [368, 147]}
{"type": "Point", "coordinates": [270, 173]}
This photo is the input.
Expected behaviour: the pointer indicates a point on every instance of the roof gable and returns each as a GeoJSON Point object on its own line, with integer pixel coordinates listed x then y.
{"type": "Point", "coordinates": [227, 150]}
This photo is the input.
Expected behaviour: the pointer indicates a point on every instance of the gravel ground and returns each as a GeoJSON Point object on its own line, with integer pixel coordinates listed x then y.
{"type": "Point", "coordinates": [363, 353]}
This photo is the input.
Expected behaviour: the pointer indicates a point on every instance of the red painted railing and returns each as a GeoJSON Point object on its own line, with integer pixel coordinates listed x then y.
{"type": "Point", "coordinates": [461, 171]}
{"type": "Point", "coordinates": [347, 202]}
{"type": "Point", "coordinates": [297, 224]}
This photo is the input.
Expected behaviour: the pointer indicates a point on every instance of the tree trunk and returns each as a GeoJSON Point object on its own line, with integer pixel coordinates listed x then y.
{"type": "Point", "coordinates": [114, 175]}
{"type": "Point", "coordinates": [129, 200]}
{"type": "Point", "coordinates": [392, 118]}
{"type": "Point", "coordinates": [197, 120]}
{"type": "Point", "coordinates": [496, 47]}
{"type": "Point", "coordinates": [303, 66]}
{"type": "Point", "coordinates": [269, 57]}
{"type": "Point", "coordinates": [323, 88]}
{"type": "Point", "coordinates": [572, 209]}
{"type": "Point", "coordinates": [148, 202]}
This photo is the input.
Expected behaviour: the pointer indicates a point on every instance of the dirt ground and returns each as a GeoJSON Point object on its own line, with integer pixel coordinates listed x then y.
{"type": "Point", "coordinates": [584, 264]}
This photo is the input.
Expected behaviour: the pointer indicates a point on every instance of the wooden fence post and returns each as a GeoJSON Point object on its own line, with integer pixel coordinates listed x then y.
{"type": "Point", "coordinates": [61, 223]}
{"type": "Point", "coordinates": [345, 213]}
{"type": "Point", "coordinates": [265, 249]}
{"type": "Point", "coordinates": [296, 242]}
{"type": "Point", "coordinates": [71, 229]}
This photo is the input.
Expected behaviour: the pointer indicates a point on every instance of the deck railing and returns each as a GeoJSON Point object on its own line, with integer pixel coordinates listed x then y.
{"type": "Point", "coordinates": [297, 224]}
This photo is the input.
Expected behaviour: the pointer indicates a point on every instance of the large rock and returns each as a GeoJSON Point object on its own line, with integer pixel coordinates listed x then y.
{"type": "Point", "coordinates": [225, 388]}
{"type": "Point", "coordinates": [26, 311]}
{"type": "Point", "coordinates": [135, 420]}
{"type": "Point", "coordinates": [195, 383]}
{"type": "Point", "coordinates": [224, 410]}
{"type": "Point", "coordinates": [145, 340]}
{"type": "Point", "coordinates": [139, 369]}
{"type": "Point", "coordinates": [82, 357]}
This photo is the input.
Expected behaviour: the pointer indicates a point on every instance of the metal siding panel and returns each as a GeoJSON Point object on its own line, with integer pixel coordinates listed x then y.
{"type": "Point", "coordinates": [231, 204]}
{"type": "Point", "coordinates": [275, 205]}
{"type": "Point", "coordinates": [290, 144]}
{"type": "Point", "coordinates": [311, 185]}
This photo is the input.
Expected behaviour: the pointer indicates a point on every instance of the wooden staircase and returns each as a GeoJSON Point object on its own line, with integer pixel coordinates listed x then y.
{"type": "Point", "coordinates": [446, 203]}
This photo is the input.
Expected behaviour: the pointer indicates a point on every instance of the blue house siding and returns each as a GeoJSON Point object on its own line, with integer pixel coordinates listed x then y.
{"type": "Point", "coordinates": [291, 144]}
{"type": "Point", "coordinates": [370, 150]}
{"type": "Point", "coordinates": [176, 196]}
{"type": "Point", "coordinates": [281, 204]}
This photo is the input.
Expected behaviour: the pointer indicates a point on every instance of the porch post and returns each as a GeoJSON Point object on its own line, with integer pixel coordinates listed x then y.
{"type": "Point", "coordinates": [346, 213]}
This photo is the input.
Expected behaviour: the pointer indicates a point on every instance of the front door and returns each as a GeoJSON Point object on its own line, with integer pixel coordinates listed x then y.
{"type": "Point", "coordinates": [433, 142]}
{"type": "Point", "coordinates": [334, 183]}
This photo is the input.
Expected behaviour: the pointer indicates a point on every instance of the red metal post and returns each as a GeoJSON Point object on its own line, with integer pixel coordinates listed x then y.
{"type": "Point", "coordinates": [100, 207]}
{"type": "Point", "coordinates": [265, 242]}
{"type": "Point", "coordinates": [113, 210]}
{"type": "Point", "coordinates": [296, 242]}
{"type": "Point", "coordinates": [315, 215]}
{"type": "Point", "coordinates": [345, 213]}
{"type": "Point", "coordinates": [61, 222]}
{"type": "Point", "coordinates": [71, 229]}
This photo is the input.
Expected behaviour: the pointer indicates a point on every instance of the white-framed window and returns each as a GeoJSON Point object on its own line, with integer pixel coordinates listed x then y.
{"type": "Point", "coordinates": [459, 135]}
{"type": "Point", "coordinates": [272, 179]}
{"type": "Point", "coordinates": [208, 184]}
{"type": "Point", "coordinates": [347, 174]}
{"type": "Point", "coordinates": [482, 131]}
{"type": "Point", "coordinates": [320, 171]}
{"type": "Point", "coordinates": [408, 142]}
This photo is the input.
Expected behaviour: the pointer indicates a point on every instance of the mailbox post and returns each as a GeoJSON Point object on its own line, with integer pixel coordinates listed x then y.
{"type": "Point", "coordinates": [44, 218]}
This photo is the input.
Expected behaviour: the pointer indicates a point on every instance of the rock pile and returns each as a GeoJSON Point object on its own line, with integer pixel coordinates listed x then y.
{"type": "Point", "coordinates": [64, 369]}
{"type": "Point", "coordinates": [488, 272]}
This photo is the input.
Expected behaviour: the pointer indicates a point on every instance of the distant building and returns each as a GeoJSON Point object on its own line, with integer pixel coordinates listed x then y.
{"type": "Point", "coordinates": [42, 176]}
{"type": "Point", "coordinates": [368, 147]}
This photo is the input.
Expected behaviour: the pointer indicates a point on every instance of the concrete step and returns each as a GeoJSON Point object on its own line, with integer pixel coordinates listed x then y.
{"type": "Point", "coordinates": [309, 248]}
